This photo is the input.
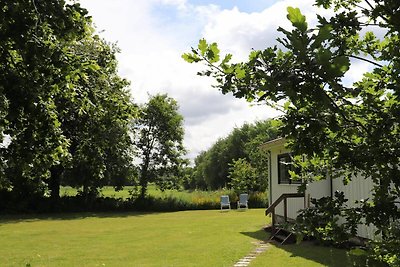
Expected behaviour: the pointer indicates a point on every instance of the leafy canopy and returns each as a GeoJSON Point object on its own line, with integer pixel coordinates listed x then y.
{"type": "Point", "coordinates": [159, 142]}
{"type": "Point", "coordinates": [62, 104]}
{"type": "Point", "coordinates": [347, 129]}
{"type": "Point", "coordinates": [213, 167]}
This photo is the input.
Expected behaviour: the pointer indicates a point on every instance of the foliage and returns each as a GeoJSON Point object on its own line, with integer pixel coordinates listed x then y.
{"type": "Point", "coordinates": [72, 200]}
{"type": "Point", "coordinates": [243, 176]}
{"type": "Point", "coordinates": [32, 74]}
{"type": "Point", "coordinates": [159, 143]}
{"type": "Point", "coordinates": [63, 106]}
{"type": "Point", "coordinates": [125, 200]}
{"type": "Point", "coordinates": [211, 170]}
{"type": "Point", "coordinates": [324, 220]}
{"type": "Point", "coordinates": [388, 249]}
{"type": "Point", "coordinates": [350, 128]}
{"type": "Point", "coordinates": [97, 123]}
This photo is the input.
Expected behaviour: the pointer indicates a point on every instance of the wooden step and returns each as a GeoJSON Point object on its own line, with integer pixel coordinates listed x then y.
{"type": "Point", "coordinates": [283, 236]}
{"type": "Point", "coordinates": [280, 237]}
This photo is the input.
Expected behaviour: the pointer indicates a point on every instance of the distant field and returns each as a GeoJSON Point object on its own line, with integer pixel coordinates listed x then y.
{"type": "Point", "coordinates": [179, 239]}
{"type": "Point", "coordinates": [190, 196]}
{"type": "Point", "coordinates": [107, 191]}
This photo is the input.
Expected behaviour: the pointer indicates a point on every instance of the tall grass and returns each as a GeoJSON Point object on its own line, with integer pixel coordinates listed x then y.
{"type": "Point", "coordinates": [173, 200]}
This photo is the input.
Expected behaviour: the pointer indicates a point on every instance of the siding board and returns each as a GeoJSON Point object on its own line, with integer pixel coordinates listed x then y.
{"type": "Point", "coordinates": [357, 189]}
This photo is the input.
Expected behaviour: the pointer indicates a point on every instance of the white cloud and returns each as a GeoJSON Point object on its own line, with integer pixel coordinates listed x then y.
{"type": "Point", "coordinates": [153, 34]}
{"type": "Point", "coordinates": [206, 132]}
{"type": "Point", "coordinates": [238, 32]}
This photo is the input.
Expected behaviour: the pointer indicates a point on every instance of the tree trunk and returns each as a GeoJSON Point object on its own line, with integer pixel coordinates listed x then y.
{"type": "Point", "coordinates": [143, 189]}
{"type": "Point", "coordinates": [54, 183]}
{"type": "Point", "coordinates": [144, 180]}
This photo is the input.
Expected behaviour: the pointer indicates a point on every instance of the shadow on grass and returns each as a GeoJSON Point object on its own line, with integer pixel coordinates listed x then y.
{"type": "Point", "coordinates": [9, 219]}
{"type": "Point", "coordinates": [259, 235]}
{"type": "Point", "coordinates": [327, 256]}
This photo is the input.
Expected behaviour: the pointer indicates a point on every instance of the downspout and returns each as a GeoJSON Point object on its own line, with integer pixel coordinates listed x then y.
{"type": "Point", "coordinates": [269, 177]}
{"type": "Point", "coordinates": [331, 183]}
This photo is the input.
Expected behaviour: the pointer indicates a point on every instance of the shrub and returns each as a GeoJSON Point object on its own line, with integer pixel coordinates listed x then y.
{"type": "Point", "coordinates": [258, 200]}
{"type": "Point", "coordinates": [322, 221]}
{"type": "Point", "coordinates": [170, 200]}
{"type": "Point", "coordinates": [387, 250]}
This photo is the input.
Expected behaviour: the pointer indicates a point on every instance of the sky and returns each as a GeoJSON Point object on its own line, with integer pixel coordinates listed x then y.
{"type": "Point", "coordinates": [153, 34]}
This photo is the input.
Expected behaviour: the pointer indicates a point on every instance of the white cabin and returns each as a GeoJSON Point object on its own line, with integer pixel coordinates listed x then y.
{"type": "Point", "coordinates": [280, 183]}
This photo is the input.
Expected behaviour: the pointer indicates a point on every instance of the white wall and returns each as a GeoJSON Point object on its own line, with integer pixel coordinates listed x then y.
{"type": "Point", "coordinates": [293, 204]}
{"type": "Point", "coordinates": [359, 188]}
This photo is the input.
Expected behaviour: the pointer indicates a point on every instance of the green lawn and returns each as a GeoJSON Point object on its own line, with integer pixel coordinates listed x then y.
{"type": "Point", "coordinates": [192, 238]}
{"type": "Point", "coordinates": [187, 238]}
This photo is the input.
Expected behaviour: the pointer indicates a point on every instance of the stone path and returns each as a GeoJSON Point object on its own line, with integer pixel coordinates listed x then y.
{"type": "Point", "coordinates": [261, 246]}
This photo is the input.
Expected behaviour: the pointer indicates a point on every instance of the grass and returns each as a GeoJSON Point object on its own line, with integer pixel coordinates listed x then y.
{"type": "Point", "coordinates": [186, 238]}
{"type": "Point", "coordinates": [189, 238]}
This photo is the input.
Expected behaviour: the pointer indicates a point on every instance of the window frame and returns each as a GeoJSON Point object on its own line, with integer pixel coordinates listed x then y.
{"type": "Point", "coordinates": [286, 180]}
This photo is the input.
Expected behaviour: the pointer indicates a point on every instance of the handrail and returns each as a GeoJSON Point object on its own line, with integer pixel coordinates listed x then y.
{"type": "Point", "coordinates": [279, 200]}
{"type": "Point", "coordinates": [283, 197]}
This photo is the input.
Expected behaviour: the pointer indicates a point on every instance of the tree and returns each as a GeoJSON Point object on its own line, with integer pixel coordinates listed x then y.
{"type": "Point", "coordinates": [159, 142]}
{"type": "Point", "coordinates": [212, 167]}
{"type": "Point", "coordinates": [346, 129]}
{"type": "Point", "coordinates": [65, 108]}
{"type": "Point", "coordinates": [98, 122]}
{"type": "Point", "coordinates": [243, 177]}
{"type": "Point", "coordinates": [32, 72]}
{"type": "Point", "coordinates": [260, 133]}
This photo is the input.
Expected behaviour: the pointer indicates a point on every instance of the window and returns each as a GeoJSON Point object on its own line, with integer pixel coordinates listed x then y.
{"type": "Point", "coordinates": [284, 165]}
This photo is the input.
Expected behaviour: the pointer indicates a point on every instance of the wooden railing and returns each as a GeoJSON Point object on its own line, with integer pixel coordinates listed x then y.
{"type": "Point", "coordinates": [283, 197]}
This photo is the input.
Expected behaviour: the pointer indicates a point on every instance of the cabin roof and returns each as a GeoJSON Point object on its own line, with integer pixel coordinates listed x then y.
{"type": "Point", "coordinates": [273, 143]}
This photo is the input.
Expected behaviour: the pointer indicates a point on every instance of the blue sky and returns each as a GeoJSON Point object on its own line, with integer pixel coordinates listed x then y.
{"type": "Point", "coordinates": [247, 6]}
{"type": "Point", "coordinates": [153, 34]}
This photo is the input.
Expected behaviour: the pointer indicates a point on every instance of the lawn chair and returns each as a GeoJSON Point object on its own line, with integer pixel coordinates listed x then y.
{"type": "Point", "coordinates": [243, 201]}
{"type": "Point", "coordinates": [225, 203]}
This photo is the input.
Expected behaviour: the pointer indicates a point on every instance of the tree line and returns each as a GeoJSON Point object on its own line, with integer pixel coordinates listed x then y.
{"type": "Point", "coordinates": [235, 161]}
{"type": "Point", "coordinates": [67, 117]}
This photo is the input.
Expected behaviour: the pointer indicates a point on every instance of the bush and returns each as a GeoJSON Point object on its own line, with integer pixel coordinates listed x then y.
{"type": "Point", "coordinates": [171, 203]}
{"type": "Point", "coordinates": [322, 220]}
{"type": "Point", "coordinates": [387, 250]}
{"type": "Point", "coordinates": [158, 201]}
{"type": "Point", "coordinates": [258, 200]}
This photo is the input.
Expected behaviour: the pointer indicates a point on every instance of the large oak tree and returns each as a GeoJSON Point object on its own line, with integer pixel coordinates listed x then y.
{"type": "Point", "coordinates": [63, 105]}
{"type": "Point", "coordinates": [346, 128]}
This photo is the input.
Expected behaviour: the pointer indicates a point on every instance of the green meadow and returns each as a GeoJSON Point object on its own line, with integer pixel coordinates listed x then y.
{"type": "Point", "coordinates": [188, 238]}
{"type": "Point", "coordinates": [178, 199]}
{"type": "Point", "coordinates": [185, 238]}
{"type": "Point", "coordinates": [153, 191]}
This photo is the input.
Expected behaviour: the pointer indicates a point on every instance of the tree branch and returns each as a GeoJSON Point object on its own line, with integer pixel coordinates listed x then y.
{"type": "Point", "coordinates": [372, 7]}
{"type": "Point", "coordinates": [212, 65]}
{"type": "Point", "coordinates": [374, 24]}
{"type": "Point", "coordinates": [341, 113]}
{"type": "Point", "coordinates": [368, 3]}
{"type": "Point", "coordinates": [366, 60]}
